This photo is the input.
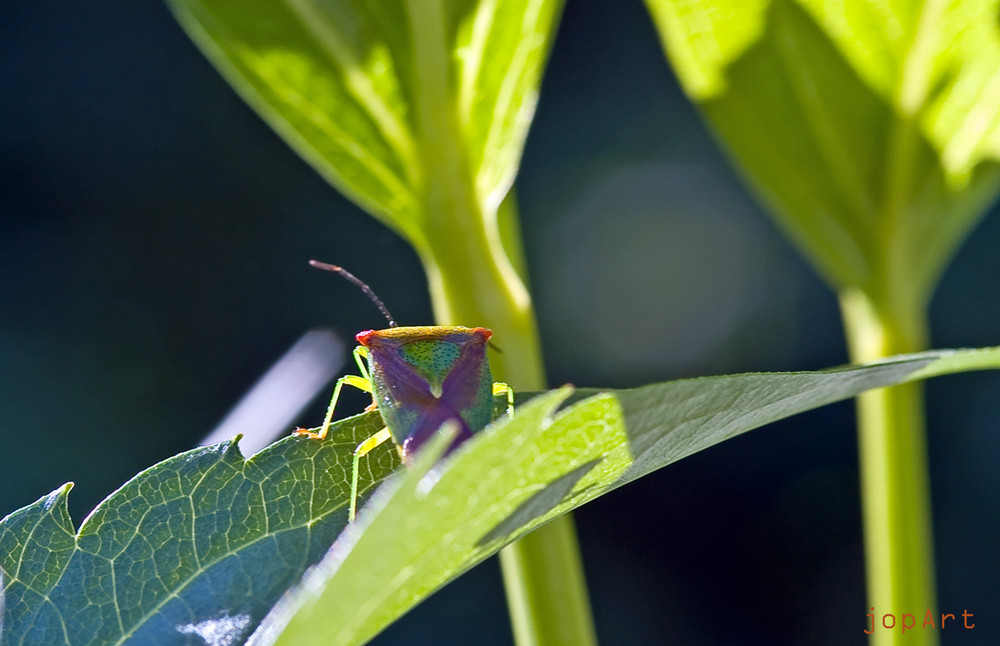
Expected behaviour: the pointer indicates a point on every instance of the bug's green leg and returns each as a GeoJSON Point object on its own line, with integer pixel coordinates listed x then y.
{"type": "Point", "coordinates": [500, 388]}
{"type": "Point", "coordinates": [362, 383]}
{"type": "Point", "coordinates": [361, 358]}
{"type": "Point", "coordinates": [363, 449]}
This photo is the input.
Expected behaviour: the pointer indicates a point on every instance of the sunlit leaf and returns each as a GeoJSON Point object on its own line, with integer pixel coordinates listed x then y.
{"type": "Point", "coordinates": [871, 128]}
{"type": "Point", "coordinates": [428, 526]}
{"type": "Point", "coordinates": [393, 102]}
{"type": "Point", "coordinates": [201, 544]}
{"type": "Point", "coordinates": [206, 543]}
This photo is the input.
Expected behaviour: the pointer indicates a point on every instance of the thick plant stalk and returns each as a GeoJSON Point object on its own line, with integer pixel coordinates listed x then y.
{"type": "Point", "coordinates": [473, 282]}
{"type": "Point", "coordinates": [546, 592]}
{"type": "Point", "coordinates": [895, 488]}
{"type": "Point", "coordinates": [543, 572]}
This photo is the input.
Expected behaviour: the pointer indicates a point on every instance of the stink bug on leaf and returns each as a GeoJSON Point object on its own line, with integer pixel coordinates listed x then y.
{"type": "Point", "coordinates": [419, 378]}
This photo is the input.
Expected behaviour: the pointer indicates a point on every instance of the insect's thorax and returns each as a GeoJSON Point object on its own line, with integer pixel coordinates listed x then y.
{"type": "Point", "coordinates": [425, 376]}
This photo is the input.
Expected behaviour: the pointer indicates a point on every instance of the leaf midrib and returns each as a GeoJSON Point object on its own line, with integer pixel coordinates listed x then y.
{"type": "Point", "coordinates": [910, 95]}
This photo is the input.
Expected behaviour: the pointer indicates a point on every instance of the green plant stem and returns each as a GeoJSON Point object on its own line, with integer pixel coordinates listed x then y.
{"type": "Point", "coordinates": [543, 576]}
{"type": "Point", "coordinates": [543, 572]}
{"type": "Point", "coordinates": [895, 487]}
{"type": "Point", "coordinates": [473, 282]}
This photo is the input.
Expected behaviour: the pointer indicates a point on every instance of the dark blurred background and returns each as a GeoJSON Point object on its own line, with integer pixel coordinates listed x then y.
{"type": "Point", "coordinates": [153, 241]}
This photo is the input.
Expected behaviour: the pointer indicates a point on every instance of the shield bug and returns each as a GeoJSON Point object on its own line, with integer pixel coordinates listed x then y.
{"type": "Point", "coordinates": [420, 378]}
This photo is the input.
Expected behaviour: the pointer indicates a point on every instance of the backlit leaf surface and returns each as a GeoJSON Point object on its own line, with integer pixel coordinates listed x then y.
{"type": "Point", "coordinates": [427, 527]}
{"type": "Point", "coordinates": [199, 548]}
{"type": "Point", "coordinates": [390, 101]}
{"type": "Point", "coordinates": [871, 128]}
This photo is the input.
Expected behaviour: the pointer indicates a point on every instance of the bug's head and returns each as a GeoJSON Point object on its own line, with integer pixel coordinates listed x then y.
{"type": "Point", "coordinates": [436, 333]}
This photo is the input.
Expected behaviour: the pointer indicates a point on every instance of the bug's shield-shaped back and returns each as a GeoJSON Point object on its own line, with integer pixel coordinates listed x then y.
{"type": "Point", "coordinates": [425, 376]}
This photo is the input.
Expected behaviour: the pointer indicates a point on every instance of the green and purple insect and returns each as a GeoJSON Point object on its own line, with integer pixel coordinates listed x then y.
{"type": "Point", "coordinates": [420, 378]}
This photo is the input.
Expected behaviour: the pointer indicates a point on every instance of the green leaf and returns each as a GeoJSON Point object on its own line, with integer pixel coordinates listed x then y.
{"type": "Point", "coordinates": [871, 129]}
{"type": "Point", "coordinates": [207, 542]}
{"type": "Point", "coordinates": [203, 543]}
{"type": "Point", "coordinates": [429, 525]}
{"type": "Point", "coordinates": [392, 102]}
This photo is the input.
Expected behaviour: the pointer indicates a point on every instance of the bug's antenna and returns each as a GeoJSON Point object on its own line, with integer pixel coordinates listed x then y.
{"type": "Point", "coordinates": [357, 281]}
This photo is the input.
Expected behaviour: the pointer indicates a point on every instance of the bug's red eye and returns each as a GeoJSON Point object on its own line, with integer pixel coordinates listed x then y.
{"type": "Point", "coordinates": [362, 337]}
{"type": "Point", "coordinates": [483, 332]}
